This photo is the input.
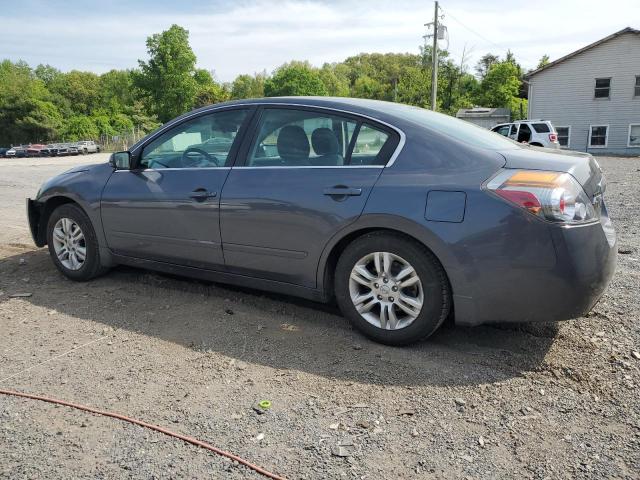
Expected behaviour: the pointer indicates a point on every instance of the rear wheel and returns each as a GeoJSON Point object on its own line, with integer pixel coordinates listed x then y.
{"type": "Point", "coordinates": [72, 243]}
{"type": "Point", "coordinates": [391, 288]}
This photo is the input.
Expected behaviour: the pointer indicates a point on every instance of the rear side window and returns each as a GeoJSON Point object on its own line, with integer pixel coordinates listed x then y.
{"type": "Point", "coordinates": [306, 138]}
{"type": "Point", "coordinates": [541, 127]}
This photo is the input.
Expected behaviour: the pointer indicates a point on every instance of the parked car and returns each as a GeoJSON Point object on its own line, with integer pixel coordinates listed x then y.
{"type": "Point", "coordinates": [66, 149]}
{"type": "Point", "coordinates": [35, 150]}
{"type": "Point", "coordinates": [47, 151]}
{"type": "Point", "coordinates": [403, 215]}
{"type": "Point", "coordinates": [4, 150]}
{"type": "Point", "coordinates": [87, 146]}
{"type": "Point", "coordinates": [21, 151]}
{"type": "Point", "coordinates": [538, 133]}
{"type": "Point", "coordinates": [11, 152]}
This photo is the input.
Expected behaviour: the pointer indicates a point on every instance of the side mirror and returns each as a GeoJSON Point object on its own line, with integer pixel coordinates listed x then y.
{"type": "Point", "coordinates": [120, 160]}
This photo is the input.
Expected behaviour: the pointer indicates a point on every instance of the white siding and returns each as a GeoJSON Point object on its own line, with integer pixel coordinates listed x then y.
{"type": "Point", "coordinates": [564, 93]}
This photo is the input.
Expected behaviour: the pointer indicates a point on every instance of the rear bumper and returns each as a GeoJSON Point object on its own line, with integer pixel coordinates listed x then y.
{"type": "Point", "coordinates": [585, 263]}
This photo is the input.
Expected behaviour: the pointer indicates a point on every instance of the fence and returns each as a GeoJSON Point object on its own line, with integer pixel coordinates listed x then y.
{"type": "Point", "coordinates": [116, 143]}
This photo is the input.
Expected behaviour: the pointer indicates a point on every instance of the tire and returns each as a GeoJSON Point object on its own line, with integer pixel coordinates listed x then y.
{"type": "Point", "coordinates": [90, 266]}
{"type": "Point", "coordinates": [432, 282]}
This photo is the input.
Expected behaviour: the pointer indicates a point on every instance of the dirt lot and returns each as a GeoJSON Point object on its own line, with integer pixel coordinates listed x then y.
{"type": "Point", "coordinates": [543, 401]}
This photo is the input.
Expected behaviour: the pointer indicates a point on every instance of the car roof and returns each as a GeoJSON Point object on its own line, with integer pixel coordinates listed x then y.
{"type": "Point", "coordinates": [376, 109]}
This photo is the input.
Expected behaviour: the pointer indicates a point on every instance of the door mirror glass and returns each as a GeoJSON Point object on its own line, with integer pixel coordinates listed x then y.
{"type": "Point", "coordinates": [121, 160]}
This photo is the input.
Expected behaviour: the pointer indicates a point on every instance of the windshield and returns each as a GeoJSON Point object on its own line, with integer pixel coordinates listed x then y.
{"type": "Point", "coordinates": [459, 129]}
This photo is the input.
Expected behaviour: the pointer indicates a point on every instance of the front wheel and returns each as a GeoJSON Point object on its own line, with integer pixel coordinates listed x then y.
{"type": "Point", "coordinates": [72, 242]}
{"type": "Point", "coordinates": [391, 288]}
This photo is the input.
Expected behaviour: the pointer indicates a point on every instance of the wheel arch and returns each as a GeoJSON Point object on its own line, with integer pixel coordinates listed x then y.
{"type": "Point", "coordinates": [46, 209]}
{"type": "Point", "coordinates": [395, 225]}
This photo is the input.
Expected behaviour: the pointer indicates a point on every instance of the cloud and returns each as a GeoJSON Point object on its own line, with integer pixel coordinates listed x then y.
{"type": "Point", "coordinates": [251, 36]}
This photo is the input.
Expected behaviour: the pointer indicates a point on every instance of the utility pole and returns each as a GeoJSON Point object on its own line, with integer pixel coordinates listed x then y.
{"type": "Point", "coordinates": [434, 59]}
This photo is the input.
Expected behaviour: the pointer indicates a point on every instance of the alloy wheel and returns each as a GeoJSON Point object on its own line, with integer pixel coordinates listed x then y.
{"type": "Point", "coordinates": [69, 244]}
{"type": "Point", "coordinates": [386, 290]}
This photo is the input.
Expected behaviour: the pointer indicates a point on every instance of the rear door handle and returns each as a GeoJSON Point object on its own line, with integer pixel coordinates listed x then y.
{"type": "Point", "coordinates": [201, 194]}
{"type": "Point", "coordinates": [341, 190]}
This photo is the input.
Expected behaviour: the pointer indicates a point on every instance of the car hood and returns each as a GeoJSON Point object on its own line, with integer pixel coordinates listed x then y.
{"type": "Point", "coordinates": [83, 168]}
{"type": "Point", "coordinates": [582, 166]}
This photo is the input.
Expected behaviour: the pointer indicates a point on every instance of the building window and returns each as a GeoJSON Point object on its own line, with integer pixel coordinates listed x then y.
{"type": "Point", "coordinates": [603, 85]}
{"type": "Point", "coordinates": [636, 93]}
{"type": "Point", "coordinates": [564, 133]}
{"type": "Point", "coordinates": [634, 135]}
{"type": "Point", "coordinates": [598, 136]}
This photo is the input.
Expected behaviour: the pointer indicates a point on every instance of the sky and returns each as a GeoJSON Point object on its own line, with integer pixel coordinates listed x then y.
{"type": "Point", "coordinates": [233, 37]}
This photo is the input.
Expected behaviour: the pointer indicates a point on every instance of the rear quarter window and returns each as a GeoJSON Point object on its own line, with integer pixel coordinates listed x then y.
{"type": "Point", "coordinates": [541, 128]}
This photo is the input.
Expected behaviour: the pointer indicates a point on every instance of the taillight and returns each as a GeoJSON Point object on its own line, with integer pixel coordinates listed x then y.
{"type": "Point", "coordinates": [553, 137]}
{"type": "Point", "coordinates": [552, 196]}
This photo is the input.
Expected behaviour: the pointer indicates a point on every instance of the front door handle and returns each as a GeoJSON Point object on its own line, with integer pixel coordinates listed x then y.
{"type": "Point", "coordinates": [342, 191]}
{"type": "Point", "coordinates": [201, 194]}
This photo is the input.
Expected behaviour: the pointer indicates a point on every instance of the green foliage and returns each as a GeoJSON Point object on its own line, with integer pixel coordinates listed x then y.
{"type": "Point", "coordinates": [335, 77]}
{"type": "Point", "coordinates": [485, 63]}
{"type": "Point", "coordinates": [294, 79]}
{"type": "Point", "coordinates": [80, 128]}
{"type": "Point", "coordinates": [167, 80]}
{"type": "Point", "coordinates": [500, 86]}
{"type": "Point", "coordinates": [543, 62]}
{"type": "Point", "coordinates": [247, 86]}
{"type": "Point", "coordinates": [26, 112]}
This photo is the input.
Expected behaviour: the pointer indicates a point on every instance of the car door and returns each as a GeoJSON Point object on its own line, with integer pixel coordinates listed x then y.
{"type": "Point", "coordinates": [513, 134]}
{"type": "Point", "coordinates": [167, 207]}
{"type": "Point", "coordinates": [305, 174]}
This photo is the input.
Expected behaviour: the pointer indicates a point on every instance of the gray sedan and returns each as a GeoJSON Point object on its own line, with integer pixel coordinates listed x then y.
{"type": "Point", "coordinates": [402, 216]}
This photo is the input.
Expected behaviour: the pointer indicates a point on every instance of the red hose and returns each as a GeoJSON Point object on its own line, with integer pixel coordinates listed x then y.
{"type": "Point", "coordinates": [191, 440]}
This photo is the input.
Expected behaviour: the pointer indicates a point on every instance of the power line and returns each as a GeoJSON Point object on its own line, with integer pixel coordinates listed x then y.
{"type": "Point", "coordinates": [474, 32]}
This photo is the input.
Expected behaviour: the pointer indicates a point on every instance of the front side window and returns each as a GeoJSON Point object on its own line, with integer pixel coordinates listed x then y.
{"type": "Point", "coordinates": [634, 135]}
{"type": "Point", "coordinates": [514, 130]}
{"type": "Point", "coordinates": [598, 136]}
{"type": "Point", "coordinates": [503, 130]}
{"type": "Point", "coordinates": [636, 92]}
{"type": "Point", "coordinates": [204, 142]}
{"type": "Point", "coordinates": [563, 136]}
{"type": "Point", "coordinates": [303, 138]}
{"type": "Point", "coordinates": [603, 86]}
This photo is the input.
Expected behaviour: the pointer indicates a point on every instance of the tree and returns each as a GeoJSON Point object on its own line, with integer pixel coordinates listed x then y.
{"type": "Point", "coordinates": [80, 91]}
{"type": "Point", "coordinates": [334, 77]}
{"type": "Point", "coordinates": [544, 61]}
{"type": "Point", "coordinates": [485, 63]}
{"type": "Point", "coordinates": [208, 91]}
{"type": "Point", "coordinates": [247, 86]}
{"type": "Point", "coordinates": [81, 128]}
{"type": "Point", "coordinates": [26, 111]}
{"type": "Point", "coordinates": [294, 79]}
{"type": "Point", "coordinates": [500, 86]}
{"type": "Point", "coordinates": [116, 90]}
{"type": "Point", "coordinates": [167, 79]}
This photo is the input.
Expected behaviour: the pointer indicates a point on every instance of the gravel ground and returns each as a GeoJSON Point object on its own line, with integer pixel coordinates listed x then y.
{"type": "Point", "coordinates": [533, 401]}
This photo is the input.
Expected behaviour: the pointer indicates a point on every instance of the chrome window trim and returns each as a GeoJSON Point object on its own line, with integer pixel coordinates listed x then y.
{"type": "Point", "coordinates": [299, 167]}
{"type": "Point", "coordinates": [391, 161]}
{"type": "Point", "coordinates": [139, 170]}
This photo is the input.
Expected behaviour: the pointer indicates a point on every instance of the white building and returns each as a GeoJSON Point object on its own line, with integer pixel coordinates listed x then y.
{"type": "Point", "coordinates": [592, 96]}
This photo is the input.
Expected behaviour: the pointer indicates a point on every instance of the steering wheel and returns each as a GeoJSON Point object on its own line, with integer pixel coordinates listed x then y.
{"type": "Point", "coordinates": [191, 162]}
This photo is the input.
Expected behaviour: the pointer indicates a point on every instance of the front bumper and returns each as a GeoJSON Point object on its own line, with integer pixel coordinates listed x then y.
{"type": "Point", "coordinates": [33, 214]}
{"type": "Point", "coordinates": [585, 261]}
